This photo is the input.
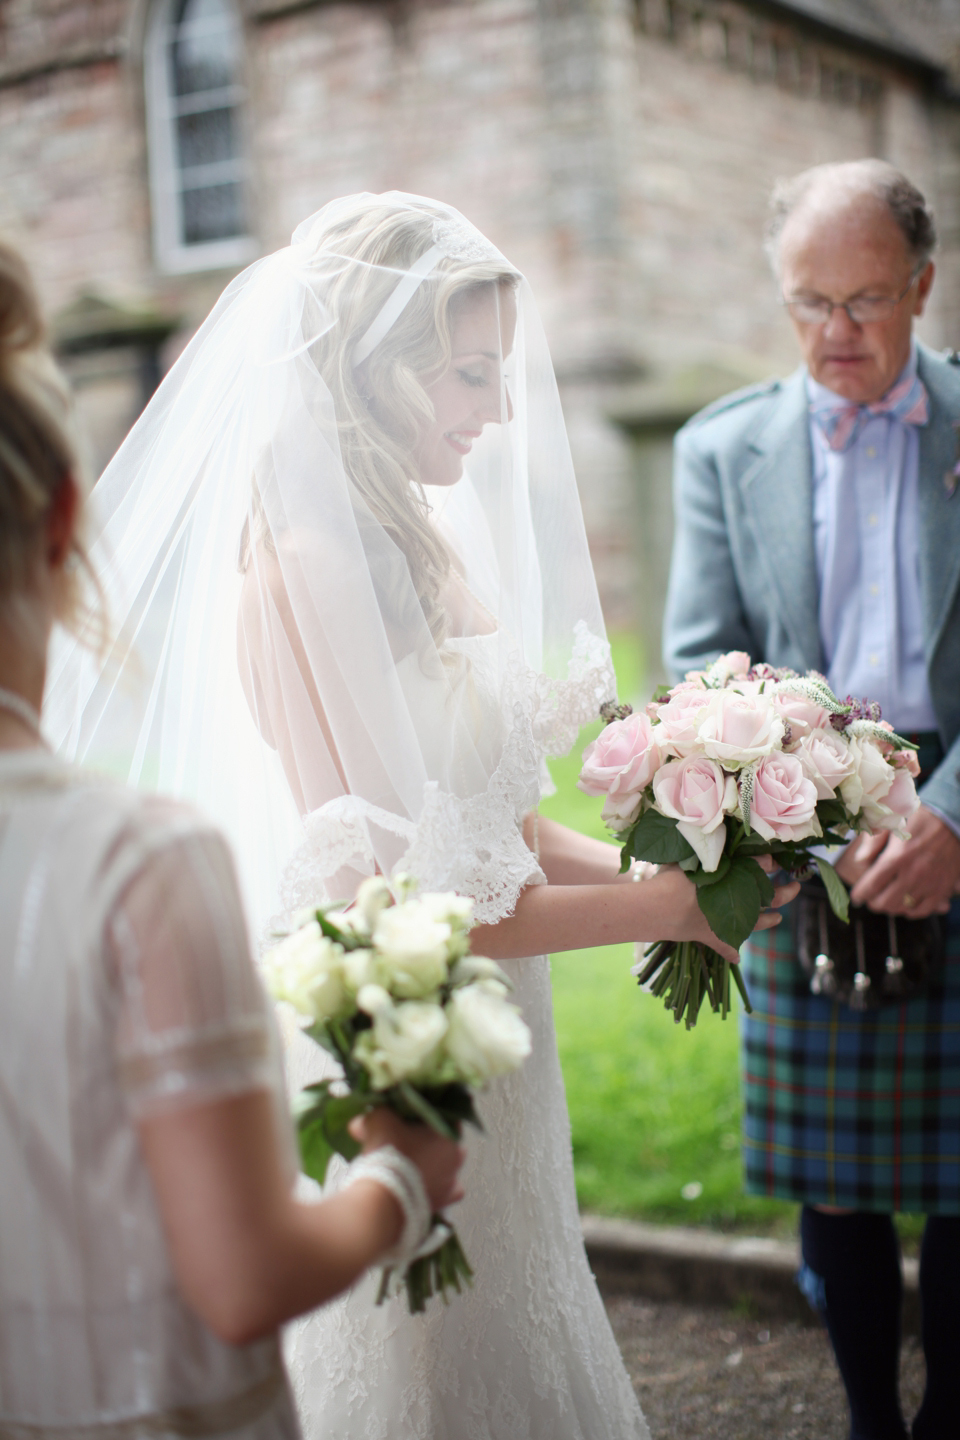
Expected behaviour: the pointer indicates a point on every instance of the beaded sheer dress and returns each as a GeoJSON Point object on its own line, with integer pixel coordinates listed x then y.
{"type": "Point", "coordinates": [126, 989]}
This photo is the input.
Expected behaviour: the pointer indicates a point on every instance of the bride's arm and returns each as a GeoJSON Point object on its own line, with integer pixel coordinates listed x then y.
{"type": "Point", "coordinates": [554, 917]}
{"type": "Point", "coordinates": [569, 858]}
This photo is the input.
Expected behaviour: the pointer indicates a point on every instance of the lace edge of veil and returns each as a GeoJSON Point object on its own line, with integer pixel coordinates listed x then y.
{"type": "Point", "coordinates": [472, 845]}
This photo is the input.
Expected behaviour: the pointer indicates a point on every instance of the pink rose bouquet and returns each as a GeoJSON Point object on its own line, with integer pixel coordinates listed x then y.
{"type": "Point", "coordinates": [736, 762]}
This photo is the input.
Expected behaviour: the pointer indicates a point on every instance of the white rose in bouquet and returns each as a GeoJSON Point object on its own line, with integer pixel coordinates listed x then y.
{"type": "Point", "coordinates": [828, 760]}
{"type": "Point", "coordinates": [362, 967]}
{"type": "Point", "coordinates": [677, 720]}
{"type": "Point", "coordinates": [454, 910]}
{"type": "Point", "coordinates": [486, 1037]}
{"type": "Point", "coordinates": [477, 967]}
{"type": "Point", "coordinates": [739, 729]}
{"type": "Point", "coordinates": [404, 1043]}
{"type": "Point", "coordinates": [620, 811]}
{"type": "Point", "coordinates": [414, 949]}
{"type": "Point", "coordinates": [732, 666]}
{"type": "Point", "coordinates": [801, 715]}
{"type": "Point", "coordinates": [888, 794]}
{"type": "Point", "coordinates": [306, 970]}
{"type": "Point", "coordinates": [373, 897]}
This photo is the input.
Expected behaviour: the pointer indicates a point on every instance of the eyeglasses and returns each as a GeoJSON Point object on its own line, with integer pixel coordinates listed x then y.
{"type": "Point", "coordinates": [862, 310]}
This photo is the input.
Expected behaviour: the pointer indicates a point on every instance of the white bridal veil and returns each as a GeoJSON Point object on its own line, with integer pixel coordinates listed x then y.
{"type": "Point", "coordinates": [347, 655]}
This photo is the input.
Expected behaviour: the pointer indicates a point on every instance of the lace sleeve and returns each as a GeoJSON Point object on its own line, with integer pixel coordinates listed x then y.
{"type": "Point", "coordinates": [194, 1022]}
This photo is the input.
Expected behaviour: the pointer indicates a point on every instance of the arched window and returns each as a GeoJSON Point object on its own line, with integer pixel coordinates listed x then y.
{"type": "Point", "coordinates": [198, 175]}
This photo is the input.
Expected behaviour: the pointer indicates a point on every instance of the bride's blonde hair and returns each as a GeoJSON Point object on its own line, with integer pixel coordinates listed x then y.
{"type": "Point", "coordinates": [37, 452]}
{"type": "Point", "coordinates": [382, 405]}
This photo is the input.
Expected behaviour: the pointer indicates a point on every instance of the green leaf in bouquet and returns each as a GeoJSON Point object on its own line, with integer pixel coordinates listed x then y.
{"type": "Point", "coordinates": [322, 1036]}
{"type": "Point", "coordinates": [831, 812]}
{"type": "Point", "coordinates": [346, 938]}
{"type": "Point", "coordinates": [711, 877]}
{"type": "Point", "coordinates": [762, 881]}
{"type": "Point", "coordinates": [455, 1103]}
{"type": "Point", "coordinates": [316, 1152]}
{"type": "Point", "coordinates": [339, 1111]}
{"type": "Point", "coordinates": [662, 692]}
{"type": "Point", "coordinates": [315, 1147]}
{"type": "Point", "coordinates": [655, 837]}
{"type": "Point", "coordinates": [423, 1110]}
{"type": "Point", "coordinates": [337, 1037]}
{"type": "Point", "coordinates": [732, 906]}
{"type": "Point", "coordinates": [837, 892]}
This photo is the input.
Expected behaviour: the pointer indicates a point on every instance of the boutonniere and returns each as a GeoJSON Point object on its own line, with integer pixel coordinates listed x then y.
{"type": "Point", "coordinates": [952, 477]}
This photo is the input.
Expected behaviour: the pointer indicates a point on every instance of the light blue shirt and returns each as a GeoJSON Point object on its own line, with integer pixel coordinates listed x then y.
{"type": "Point", "coordinates": [868, 564]}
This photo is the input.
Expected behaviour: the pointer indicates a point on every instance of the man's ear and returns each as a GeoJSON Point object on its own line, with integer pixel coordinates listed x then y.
{"type": "Point", "coordinates": [923, 288]}
{"type": "Point", "coordinates": [61, 521]}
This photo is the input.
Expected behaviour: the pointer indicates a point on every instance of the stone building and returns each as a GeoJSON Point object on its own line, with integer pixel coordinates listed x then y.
{"type": "Point", "coordinates": [619, 151]}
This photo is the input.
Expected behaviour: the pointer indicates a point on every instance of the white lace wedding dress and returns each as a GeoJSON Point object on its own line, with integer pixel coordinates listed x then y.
{"type": "Point", "coordinates": [527, 1353]}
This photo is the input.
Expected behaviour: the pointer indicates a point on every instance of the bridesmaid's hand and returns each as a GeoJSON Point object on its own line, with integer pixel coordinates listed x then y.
{"type": "Point", "coordinates": [438, 1160]}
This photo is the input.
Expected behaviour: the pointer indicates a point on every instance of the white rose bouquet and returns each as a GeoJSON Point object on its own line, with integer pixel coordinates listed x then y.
{"type": "Point", "coordinates": [735, 762]}
{"type": "Point", "coordinates": [417, 1024]}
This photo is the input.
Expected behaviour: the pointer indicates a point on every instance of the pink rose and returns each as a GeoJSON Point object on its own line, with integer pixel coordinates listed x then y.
{"type": "Point", "coordinates": [907, 760]}
{"type": "Point", "coordinates": [803, 716]}
{"type": "Point", "coordinates": [828, 760]}
{"type": "Point", "coordinates": [677, 720]}
{"type": "Point", "coordinates": [888, 794]}
{"type": "Point", "coordinates": [620, 811]}
{"type": "Point", "coordinates": [696, 792]}
{"type": "Point", "coordinates": [732, 666]}
{"type": "Point", "coordinates": [738, 729]}
{"type": "Point", "coordinates": [622, 760]}
{"type": "Point", "coordinates": [784, 802]}
{"type": "Point", "coordinates": [903, 801]}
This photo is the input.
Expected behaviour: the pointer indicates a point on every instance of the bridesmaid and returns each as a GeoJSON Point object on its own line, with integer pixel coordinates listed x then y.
{"type": "Point", "coordinates": [150, 1245]}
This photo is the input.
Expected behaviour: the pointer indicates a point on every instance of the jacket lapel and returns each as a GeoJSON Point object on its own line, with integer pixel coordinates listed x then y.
{"type": "Point", "coordinates": [777, 489]}
{"type": "Point", "coordinates": [939, 527]}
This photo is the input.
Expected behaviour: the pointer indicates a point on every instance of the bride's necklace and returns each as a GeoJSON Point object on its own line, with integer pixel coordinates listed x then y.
{"type": "Point", "coordinates": [17, 705]}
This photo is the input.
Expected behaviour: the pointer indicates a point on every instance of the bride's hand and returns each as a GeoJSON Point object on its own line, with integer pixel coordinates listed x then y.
{"type": "Point", "coordinates": [437, 1159]}
{"type": "Point", "coordinates": [690, 923]}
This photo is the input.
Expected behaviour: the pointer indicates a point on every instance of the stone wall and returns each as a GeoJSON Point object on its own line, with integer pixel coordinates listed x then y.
{"type": "Point", "coordinates": [620, 151]}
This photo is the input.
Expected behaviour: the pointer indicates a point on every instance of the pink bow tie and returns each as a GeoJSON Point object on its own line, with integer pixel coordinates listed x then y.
{"type": "Point", "coordinates": [842, 423]}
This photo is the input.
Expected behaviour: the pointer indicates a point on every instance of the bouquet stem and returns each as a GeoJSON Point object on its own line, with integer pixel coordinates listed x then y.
{"type": "Point", "coordinates": [443, 1267]}
{"type": "Point", "coordinates": [684, 973]}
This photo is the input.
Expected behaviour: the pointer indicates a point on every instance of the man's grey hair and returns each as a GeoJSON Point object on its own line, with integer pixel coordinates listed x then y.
{"type": "Point", "coordinates": [872, 177]}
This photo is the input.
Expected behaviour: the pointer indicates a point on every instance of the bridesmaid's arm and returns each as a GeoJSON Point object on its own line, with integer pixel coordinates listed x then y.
{"type": "Point", "coordinates": [246, 1255]}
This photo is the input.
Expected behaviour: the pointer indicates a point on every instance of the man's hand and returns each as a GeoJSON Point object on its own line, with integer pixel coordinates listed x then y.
{"type": "Point", "coordinates": [914, 877]}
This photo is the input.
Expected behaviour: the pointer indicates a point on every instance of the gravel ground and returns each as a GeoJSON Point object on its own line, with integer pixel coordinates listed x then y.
{"type": "Point", "coordinates": [715, 1375]}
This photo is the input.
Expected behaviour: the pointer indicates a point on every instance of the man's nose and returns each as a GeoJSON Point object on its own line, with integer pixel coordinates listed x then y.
{"type": "Point", "coordinates": [840, 326]}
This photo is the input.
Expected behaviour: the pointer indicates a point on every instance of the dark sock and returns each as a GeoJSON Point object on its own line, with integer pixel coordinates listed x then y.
{"type": "Point", "coordinates": [857, 1259]}
{"type": "Point", "coordinates": [939, 1416]}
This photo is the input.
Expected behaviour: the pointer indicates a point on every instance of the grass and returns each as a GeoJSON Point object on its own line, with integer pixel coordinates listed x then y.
{"type": "Point", "coordinates": [654, 1109]}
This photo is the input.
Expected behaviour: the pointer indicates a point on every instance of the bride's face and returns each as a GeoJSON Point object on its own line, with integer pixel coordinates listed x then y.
{"type": "Point", "coordinates": [467, 395]}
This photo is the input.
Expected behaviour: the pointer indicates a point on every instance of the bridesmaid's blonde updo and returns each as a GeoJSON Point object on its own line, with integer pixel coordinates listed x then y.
{"type": "Point", "coordinates": [37, 449]}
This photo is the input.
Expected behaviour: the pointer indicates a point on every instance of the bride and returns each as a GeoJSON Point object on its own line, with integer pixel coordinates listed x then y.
{"type": "Point", "coordinates": [344, 552]}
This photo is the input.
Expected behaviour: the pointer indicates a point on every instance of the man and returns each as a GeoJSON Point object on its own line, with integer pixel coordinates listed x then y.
{"type": "Point", "coordinates": [818, 526]}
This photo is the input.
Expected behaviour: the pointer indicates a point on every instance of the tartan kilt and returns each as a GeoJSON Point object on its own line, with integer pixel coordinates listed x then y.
{"type": "Point", "coordinates": [856, 1109]}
